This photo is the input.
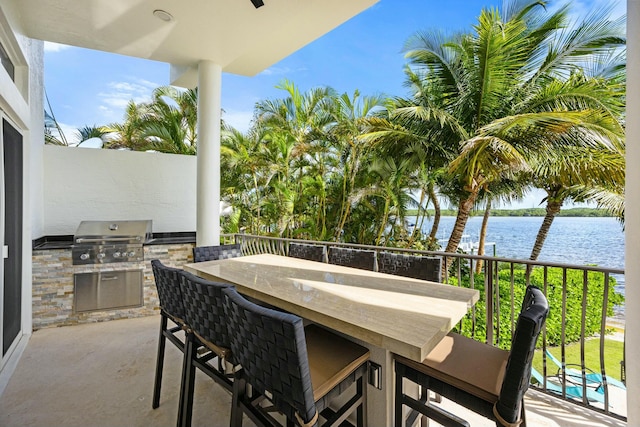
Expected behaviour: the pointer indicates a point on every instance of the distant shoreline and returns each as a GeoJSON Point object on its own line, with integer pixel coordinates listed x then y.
{"type": "Point", "coordinates": [572, 212]}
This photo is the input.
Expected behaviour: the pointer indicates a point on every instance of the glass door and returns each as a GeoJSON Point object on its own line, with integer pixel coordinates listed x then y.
{"type": "Point", "coordinates": [11, 221]}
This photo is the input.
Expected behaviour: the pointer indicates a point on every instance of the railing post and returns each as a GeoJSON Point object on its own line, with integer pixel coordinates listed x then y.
{"type": "Point", "coordinates": [488, 293]}
{"type": "Point", "coordinates": [472, 285]}
{"type": "Point", "coordinates": [375, 261]}
{"type": "Point", "coordinates": [603, 329]}
{"type": "Point", "coordinates": [496, 300]}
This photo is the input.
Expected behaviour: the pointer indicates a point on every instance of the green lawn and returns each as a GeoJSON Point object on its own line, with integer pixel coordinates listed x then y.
{"type": "Point", "coordinates": [612, 352]}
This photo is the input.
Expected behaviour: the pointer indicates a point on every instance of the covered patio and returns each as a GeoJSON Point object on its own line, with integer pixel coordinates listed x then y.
{"type": "Point", "coordinates": [102, 375]}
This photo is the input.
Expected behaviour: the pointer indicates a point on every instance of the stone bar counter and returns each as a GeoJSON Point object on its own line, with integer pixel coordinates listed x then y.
{"type": "Point", "coordinates": [53, 278]}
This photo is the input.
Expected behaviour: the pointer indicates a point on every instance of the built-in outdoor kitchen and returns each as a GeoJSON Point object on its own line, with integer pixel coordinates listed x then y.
{"type": "Point", "coordinates": [103, 272]}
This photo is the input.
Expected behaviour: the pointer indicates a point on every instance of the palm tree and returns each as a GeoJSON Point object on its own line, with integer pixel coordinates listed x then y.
{"type": "Point", "coordinates": [243, 161]}
{"type": "Point", "coordinates": [295, 132]}
{"type": "Point", "coordinates": [282, 179]}
{"type": "Point", "coordinates": [587, 173]}
{"type": "Point", "coordinates": [507, 92]}
{"type": "Point", "coordinates": [389, 186]}
{"type": "Point", "coordinates": [412, 128]}
{"type": "Point", "coordinates": [350, 115]}
{"type": "Point", "coordinates": [129, 133]}
{"type": "Point", "coordinates": [52, 126]}
{"type": "Point", "coordinates": [577, 174]}
{"type": "Point", "coordinates": [82, 134]}
{"type": "Point", "coordinates": [504, 191]}
{"type": "Point", "coordinates": [88, 132]}
{"type": "Point", "coordinates": [425, 181]}
{"type": "Point", "coordinates": [170, 122]}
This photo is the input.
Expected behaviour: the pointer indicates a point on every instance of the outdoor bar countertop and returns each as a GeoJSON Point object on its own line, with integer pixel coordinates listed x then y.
{"type": "Point", "coordinates": [66, 241]}
{"type": "Point", "coordinates": [399, 314]}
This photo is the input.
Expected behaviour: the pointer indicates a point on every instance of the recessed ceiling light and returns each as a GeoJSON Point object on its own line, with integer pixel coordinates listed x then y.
{"type": "Point", "coordinates": [164, 15]}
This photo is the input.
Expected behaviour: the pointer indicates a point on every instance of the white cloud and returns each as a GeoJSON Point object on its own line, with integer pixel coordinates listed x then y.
{"type": "Point", "coordinates": [123, 87]}
{"type": "Point", "coordinates": [241, 120]}
{"type": "Point", "coordinates": [54, 47]}
{"type": "Point", "coordinates": [115, 100]}
{"type": "Point", "coordinates": [146, 83]}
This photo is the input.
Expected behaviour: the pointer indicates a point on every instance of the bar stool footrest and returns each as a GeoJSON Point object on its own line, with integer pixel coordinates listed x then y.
{"type": "Point", "coordinates": [435, 413]}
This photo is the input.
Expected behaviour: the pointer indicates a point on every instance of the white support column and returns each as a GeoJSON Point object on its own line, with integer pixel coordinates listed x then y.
{"type": "Point", "coordinates": [632, 215]}
{"type": "Point", "coordinates": [208, 182]}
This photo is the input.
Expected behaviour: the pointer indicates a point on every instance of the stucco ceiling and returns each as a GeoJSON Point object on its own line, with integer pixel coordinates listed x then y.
{"type": "Point", "coordinates": [232, 33]}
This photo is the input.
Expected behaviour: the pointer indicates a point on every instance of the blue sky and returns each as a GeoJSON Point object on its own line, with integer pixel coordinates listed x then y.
{"type": "Point", "coordinates": [88, 87]}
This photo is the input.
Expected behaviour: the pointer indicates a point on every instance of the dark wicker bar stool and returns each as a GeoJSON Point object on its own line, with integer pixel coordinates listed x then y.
{"type": "Point", "coordinates": [357, 258]}
{"type": "Point", "coordinates": [478, 376]}
{"type": "Point", "coordinates": [204, 313]}
{"type": "Point", "coordinates": [211, 253]}
{"type": "Point", "coordinates": [305, 251]}
{"type": "Point", "coordinates": [171, 309]}
{"type": "Point", "coordinates": [297, 370]}
{"type": "Point", "coordinates": [417, 267]}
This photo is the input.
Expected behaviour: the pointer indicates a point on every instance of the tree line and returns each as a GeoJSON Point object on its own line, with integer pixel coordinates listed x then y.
{"type": "Point", "coordinates": [526, 99]}
{"type": "Point", "coordinates": [526, 212]}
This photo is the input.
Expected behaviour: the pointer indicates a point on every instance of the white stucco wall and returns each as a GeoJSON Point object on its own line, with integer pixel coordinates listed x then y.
{"type": "Point", "coordinates": [92, 184]}
{"type": "Point", "coordinates": [21, 103]}
{"type": "Point", "coordinates": [35, 137]}
{"type": "Point", "coordinates": [33, 140]}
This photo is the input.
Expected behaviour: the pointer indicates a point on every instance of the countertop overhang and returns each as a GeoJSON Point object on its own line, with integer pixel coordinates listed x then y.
{"type": "Point", "coordinates": [66, 241]}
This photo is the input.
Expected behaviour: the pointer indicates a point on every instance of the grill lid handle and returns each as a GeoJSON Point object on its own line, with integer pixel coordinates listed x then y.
{"type": "Point", "coordinates": [106, 239]}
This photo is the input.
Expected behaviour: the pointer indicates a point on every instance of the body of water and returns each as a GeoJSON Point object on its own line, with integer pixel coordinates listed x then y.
{"type": "Point", "coordinates": [571, 240]}
{"type": "Point", "coordinates": [583, 240]}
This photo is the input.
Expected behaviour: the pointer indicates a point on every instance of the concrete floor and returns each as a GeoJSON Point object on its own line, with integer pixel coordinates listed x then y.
{"type": "Point", "coordinates": [102, 375]}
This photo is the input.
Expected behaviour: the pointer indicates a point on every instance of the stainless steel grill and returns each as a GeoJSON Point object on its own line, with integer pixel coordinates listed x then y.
{"type": "Point", "coordinates": [101, 242]}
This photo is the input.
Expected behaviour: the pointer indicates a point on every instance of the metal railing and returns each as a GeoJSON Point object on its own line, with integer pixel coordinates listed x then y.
{"type": "Point", "coordinates": [581, 312]}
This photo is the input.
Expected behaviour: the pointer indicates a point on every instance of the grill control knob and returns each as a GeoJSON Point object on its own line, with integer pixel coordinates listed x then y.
{"type": "Point", "coordinates": [100, 255]}
{"type": "Point", "coordinates": [84, 256]}
{"type": "Point", "coordinates": [117, 255]}
{"type": "Point", "coordinates": [132, 254]}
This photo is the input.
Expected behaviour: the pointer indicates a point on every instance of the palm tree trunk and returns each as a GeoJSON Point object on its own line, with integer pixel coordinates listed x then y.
{"type": "Point", "coordinates": [344, 208]}
{"type": "Point", "coordinates": [323, 210]}
{"type": "Point", "coordinates": [553, 207]}
{"type": "Point", "coordinates": [343, 220]}
{"type": "Point", "coordinates": [350, 173]}
{"type": "Point", "coordinates": [419, 218]}
{"type": "Point", "coordinates": [424, 215]}
{"type": "Point", "coordinates": [436, 213]}
{"type": "Point", "coordinates": [257, 191]}
{"type": "Point", "coordinates": [483, 234]}
{"type": "Point", "coordinates": [464, 210]}
{"type": "Point", "coordinates": [346, 203]}
{"type": "Point", "coordinates": [385, 217]}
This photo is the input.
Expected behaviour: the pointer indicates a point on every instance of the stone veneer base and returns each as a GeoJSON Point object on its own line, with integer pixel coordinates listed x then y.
{"type": "Point", "coordinates": [52, 290]}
